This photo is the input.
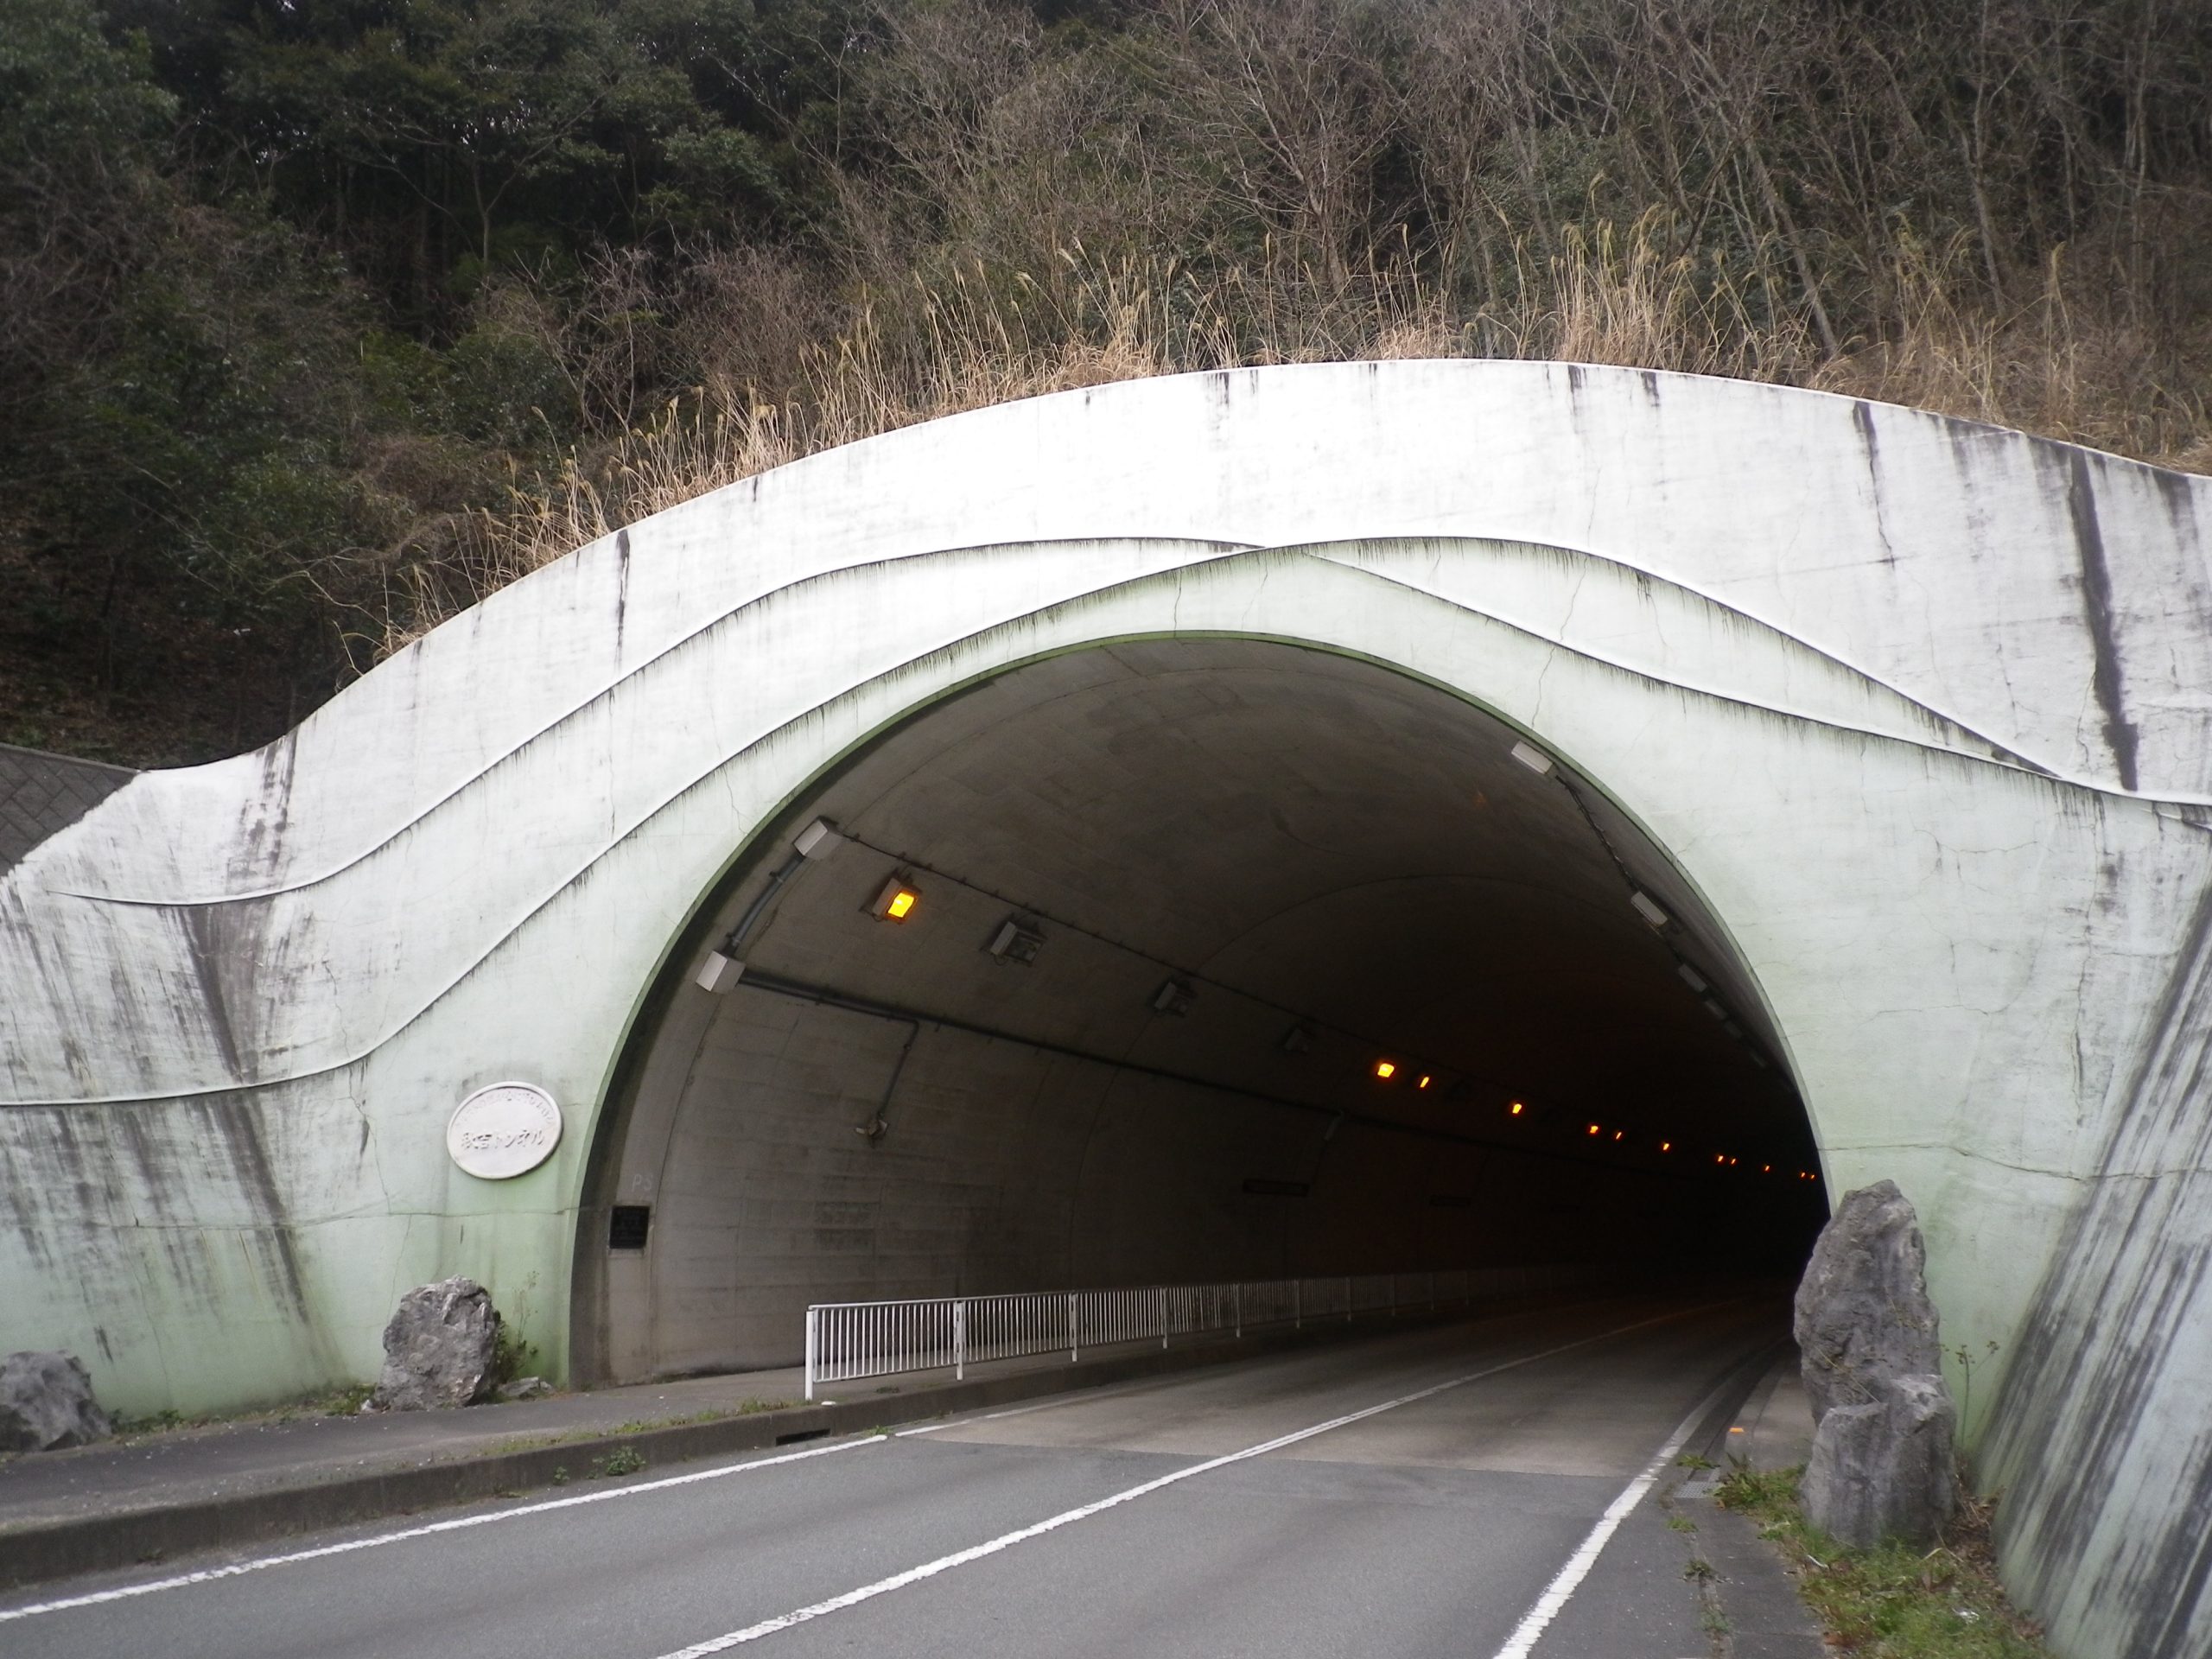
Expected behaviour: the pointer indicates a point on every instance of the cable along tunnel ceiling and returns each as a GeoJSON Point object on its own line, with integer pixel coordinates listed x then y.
{"type": "Point", "coordinates": [1302, 838]}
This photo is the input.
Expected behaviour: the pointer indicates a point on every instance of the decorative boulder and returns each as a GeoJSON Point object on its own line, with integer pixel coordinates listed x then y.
{"type": "Point", "coordinates": [439, 1348]}
{"type": "Point", "coordinates": [1881, 1466]}
{"type": "Point", "coordinates": [45, 1404]}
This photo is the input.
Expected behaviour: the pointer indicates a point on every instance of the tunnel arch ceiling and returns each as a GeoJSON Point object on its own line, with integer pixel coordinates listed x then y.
{"type": "Point", "coordinates": [1311, 844]}
{"type": "Point", "coordinates": [1921, 710]}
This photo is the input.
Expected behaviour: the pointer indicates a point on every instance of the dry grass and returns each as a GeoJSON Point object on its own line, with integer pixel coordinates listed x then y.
{"type": "Point", "coordinates": [2052, 363]}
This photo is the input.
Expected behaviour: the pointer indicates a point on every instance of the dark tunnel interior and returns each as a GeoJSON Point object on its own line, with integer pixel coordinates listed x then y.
{"type": "Point", "coordinates": [1223, 959]}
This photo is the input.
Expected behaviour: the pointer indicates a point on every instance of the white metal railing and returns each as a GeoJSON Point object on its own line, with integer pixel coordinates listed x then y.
{"type": "Point", "coordinates": [845, 1340]}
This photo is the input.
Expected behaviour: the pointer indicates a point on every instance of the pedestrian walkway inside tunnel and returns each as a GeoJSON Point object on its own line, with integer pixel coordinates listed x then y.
{"type": "Point", "coordinates": [1177, 963]}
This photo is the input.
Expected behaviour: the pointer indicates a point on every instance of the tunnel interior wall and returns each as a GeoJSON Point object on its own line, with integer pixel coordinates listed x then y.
{"type": "Point", "coordinates": [1005, 1169]}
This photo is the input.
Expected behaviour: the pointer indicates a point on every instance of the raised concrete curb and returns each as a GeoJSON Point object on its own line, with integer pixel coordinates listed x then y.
{"type": "Point", "coordinates": [1770, 1427]}
{"type": "Point", "coordinates": [130, 1534]}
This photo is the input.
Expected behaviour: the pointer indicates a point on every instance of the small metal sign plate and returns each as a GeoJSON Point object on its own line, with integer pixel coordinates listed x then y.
{"type": "Point", "coordinates": [504, 1130]}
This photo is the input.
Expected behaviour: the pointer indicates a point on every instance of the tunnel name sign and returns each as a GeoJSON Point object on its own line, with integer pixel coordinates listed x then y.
{"type": "Point", "coordinates": [504, 1130]}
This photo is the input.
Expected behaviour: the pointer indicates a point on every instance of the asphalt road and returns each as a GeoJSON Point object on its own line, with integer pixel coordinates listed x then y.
{"type": "Point", "coordinates": [1223, 1512]}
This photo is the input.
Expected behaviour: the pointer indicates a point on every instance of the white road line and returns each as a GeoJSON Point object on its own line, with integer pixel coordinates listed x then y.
{"type": "Point", "coordinates": [1570, 1577]}
{"type": "Point", "coordinates": [237, 1569]}
{"type": "Point", "coordinates": [1068, 1517]}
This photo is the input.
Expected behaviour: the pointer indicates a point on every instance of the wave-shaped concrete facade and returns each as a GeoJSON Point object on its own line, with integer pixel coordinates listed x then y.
{"type": "Point", "coordinates": [1903, 724]}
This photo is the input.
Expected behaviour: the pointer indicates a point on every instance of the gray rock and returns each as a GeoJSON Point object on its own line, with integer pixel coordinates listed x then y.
{"type": "Point", "coordinates": [439, 1349]}
{"type": "Point", "coordinates": [1863, 1312]}
{"type": "Point", "coordinates": [1884, 1470]}
{"type": "Point", "coordinates": [45, 1404]}
{"type": "Point", "coordinates": [1881, 1465]}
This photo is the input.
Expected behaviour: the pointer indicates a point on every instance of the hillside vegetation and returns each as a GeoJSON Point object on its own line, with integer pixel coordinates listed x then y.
{"type": "Point", "coordinates": [320, 319]}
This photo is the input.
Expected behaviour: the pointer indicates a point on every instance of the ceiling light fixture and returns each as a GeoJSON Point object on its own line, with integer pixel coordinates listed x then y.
{"type": "Point", "coordinates": [1018, 941]}
{"type": "Point", "coordinates": [1516, 1109]}
{"type": "Point", "coordinates": [1533, 758]}
{"type": "Point", "coordinates": [1424, 1082]}
{"type": "Point", "coordinates": [1174, 997]}
{"type": "Point", "coordinates": [1386, 1070]}
{"type": "Point", "coordinates": [718, 973]}
{"type": "Point", "coordinates": [897, 900]}
{"type": "Point", "coordinates": [1647, 909]}
{"type": "Point", "coordinates": [1297, 1039]}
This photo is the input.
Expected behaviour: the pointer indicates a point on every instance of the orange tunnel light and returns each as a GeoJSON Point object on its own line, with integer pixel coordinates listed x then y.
{"type": "Point", "coordinates": [896, 902]}
{"type": "Point", "coordinates": [1516, 1109]}
{"type": "Point", "coordinates": [1386, 1069]}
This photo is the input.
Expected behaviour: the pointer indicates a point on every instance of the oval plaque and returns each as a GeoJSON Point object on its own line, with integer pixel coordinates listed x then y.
{"type": "Point", "coordinates": [504, 1130]}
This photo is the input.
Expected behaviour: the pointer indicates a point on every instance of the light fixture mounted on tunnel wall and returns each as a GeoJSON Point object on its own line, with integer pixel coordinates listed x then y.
{"type": "Point", "coordinates": [1174, 997]}
{"type": "Point", "coordinates": [1297, 1039]}
{"type": "Point", "coordinates": [1386, 1070]}
{"type": "Point", "coordinates": [719, 974]}
{"type": "Point", "coordinates": [1018, 941]}
{"type": "Point", "coordinates": [1425, 1081]}
{"type": "Point", "coordinates": [1515, 1108]}
{"type": "Point", "coordinates": [897, 900]}
{"type": "Point", "coordinates": [1533, 758]}
{"type": "Point", "coordinates": [1646, 908]}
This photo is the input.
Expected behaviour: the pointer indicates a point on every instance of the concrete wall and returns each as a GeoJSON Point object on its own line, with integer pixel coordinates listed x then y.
{"type": "Point", "coordinates": [1919, 712]}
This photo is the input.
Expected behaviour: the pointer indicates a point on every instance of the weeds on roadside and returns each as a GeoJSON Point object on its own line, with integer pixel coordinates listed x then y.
{"type": "Point", "coordinates": [1896, 1602]}
{"type": "Point", "coordinates": [346, 1401]}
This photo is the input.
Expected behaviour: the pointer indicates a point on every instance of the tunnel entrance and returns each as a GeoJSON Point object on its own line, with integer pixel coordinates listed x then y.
{"type": "Point", "coordinates": [1222, 959]}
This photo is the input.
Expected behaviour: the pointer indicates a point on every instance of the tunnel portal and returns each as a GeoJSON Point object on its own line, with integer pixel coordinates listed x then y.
{"type": "Point", "coordinates": [1881, 753]}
